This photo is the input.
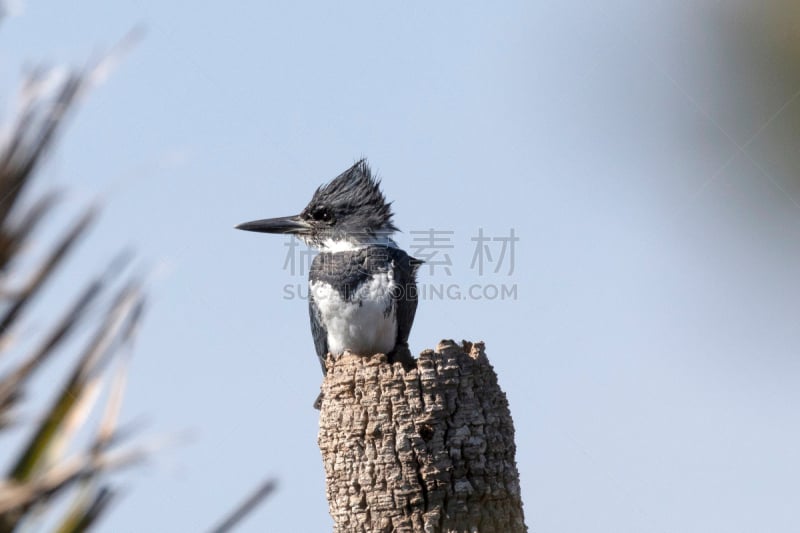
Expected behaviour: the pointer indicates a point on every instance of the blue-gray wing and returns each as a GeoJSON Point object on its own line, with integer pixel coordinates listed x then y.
{"type": "Point", "coordinates": [405, 299]}
{"type": "Point", "coordinates": [318, 331]}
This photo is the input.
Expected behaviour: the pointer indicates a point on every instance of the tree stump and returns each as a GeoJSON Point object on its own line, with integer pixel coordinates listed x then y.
{"type": "Point", "coordinates": [428, 449]}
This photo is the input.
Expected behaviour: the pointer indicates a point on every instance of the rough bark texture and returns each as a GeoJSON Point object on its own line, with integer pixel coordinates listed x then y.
{"type": "Point", "coordinates": [426, 449]}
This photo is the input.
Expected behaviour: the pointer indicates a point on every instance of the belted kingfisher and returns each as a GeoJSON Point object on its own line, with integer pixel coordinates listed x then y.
{"type": "Point", "coordinates": [362, 287]}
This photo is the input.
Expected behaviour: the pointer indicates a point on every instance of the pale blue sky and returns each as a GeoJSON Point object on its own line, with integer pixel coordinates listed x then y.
{"type": "Point", "coordinates": [651, 356]}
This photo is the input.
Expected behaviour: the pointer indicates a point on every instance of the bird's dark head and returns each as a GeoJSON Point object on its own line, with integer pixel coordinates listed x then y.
{"type": "Point", "coordinates": [347, 211]}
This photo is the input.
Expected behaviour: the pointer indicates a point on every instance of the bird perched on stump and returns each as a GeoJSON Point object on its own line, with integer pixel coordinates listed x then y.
{"type": "Point", "coordinates": [362, 286]}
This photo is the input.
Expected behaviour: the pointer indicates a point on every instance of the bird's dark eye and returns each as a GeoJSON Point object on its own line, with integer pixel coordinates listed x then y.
{"type": "Point", "coordinates": [322, 214]}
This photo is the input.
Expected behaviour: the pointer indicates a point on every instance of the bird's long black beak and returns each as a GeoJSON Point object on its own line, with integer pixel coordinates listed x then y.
{"type": "Point", "coordinates": [285, 225]}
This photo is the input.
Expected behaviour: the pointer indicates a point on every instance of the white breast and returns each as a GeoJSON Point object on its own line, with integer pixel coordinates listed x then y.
{"type": "Point", "coordinates": [361, 324]}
